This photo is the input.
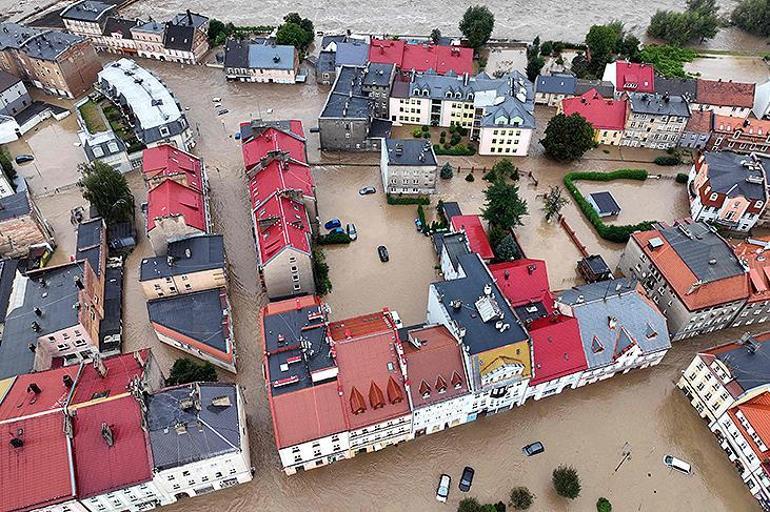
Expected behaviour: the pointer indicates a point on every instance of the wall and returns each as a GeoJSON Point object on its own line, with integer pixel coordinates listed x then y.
{"type": "Point", "coordinates": [315, 453]}
{"type": "Point", "coordinates": [184, 283]}
{"type": "Point", "coordinates": [282, 280]}
{"type": "Point", "coordinates": [504, 141]}
{"type": "Point", "coordinates": [169, 229]}
{"type": "Point", "coordinates": [14, 99]}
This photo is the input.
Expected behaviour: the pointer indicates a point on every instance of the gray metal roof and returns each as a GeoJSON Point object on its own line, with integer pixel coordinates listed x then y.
{"type": "Point", "coordinates": [206, 252]}
{"type": "Point", "coordinates": [49, 45]}
{"type": "Point", "coordinates": [352, 53]}
{"type": "Point", "coordinates": [121, 26]}
{"type": "Point", "coordinates": [613, 316]}
{"type": "Point", "coordinates": [54, 292]}
{"type": "Point", "coordinates": [190, 19]}
{"type": "Point", "coordinates": [346, 99]}
{"type": "Point", "coordinates": [604, 202]}
{"type": "Point", "coordinates": [604, 88]}
{"type": "Point", "coordinates": [14, 206]}
{"type": "Point", "coordinates": [684, 87]}
{"type": "Point", "coordinates": [378, 75]}
{"type": "Point", "coordinates": [112, 322]}
{"type": "Point", "coordinates": [103, 145]}
{"type": "Point", "coordinates": [180, 435]}
{"type": "Point", "coordinates": [332, 38]}
{"type": "Point", "coordinates": [7, 276]}
{"type": "Point", "coordinates": [87, 10]}
{"type": "Point", "coordinates": [284, 335]}
{"type": "Point", "coordinates": [200, 316]}
{"type": "Point", "coordinates": [7, 80]}
{"type": "Point", "coordinates": [267, 56]}
{"type": "Point", "coordinates": [325, 62]}
{"type": "Point", "coordinates": [13, 35]}
{"type": "Point", "coordinates": [456, 245]}
{"type": "Point", "coordinates": [562, 83]}
{"type": "Point", "coordinates": [479, 336]}
{"type": "Point", "coordinates": [704, 252]}
{"type": "Point", "coordinates": [451, 208]}
{"type": "Point", "coordinates": [410, 152]}
{"type": "Point", "coordinates": [748, 364]}
{"type": "Point", "coordinates": [151, 27]}
{"type": "Point", "coordinates": [657, 104]}
{"type": "Point", "coordinates": [179, 37]}
{"type": "Point", "coordinates": [90, 235]}
{"type": "Point", "coordinates": [727, 174]}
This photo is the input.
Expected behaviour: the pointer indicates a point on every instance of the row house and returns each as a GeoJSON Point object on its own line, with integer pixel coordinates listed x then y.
{"type": "Point", "coordinates": [740, 135]}
{"type": "Point", "coordinates": [349, 118]}
{"type": "Point", "coordinates": [58, 63]}
{"type": "Point", "coordinates": [607, 116]}
{"type": "Point", "coordinates": [751, 252]}
{"type": "Point", "coordinates": [473, 229]}
{"type": "Point", "coordinates": [449, 247]}
{"type": "Point", "coordinates": [761, 108]}
{"type": "Point", "coordinates": [87, 18]}
{"type": "Point", "coordinates": [697, 131]}
{"type": "Point", "coordinates": [152, 110]}
{"type": "Point", "coordinates": [552, 89]}
{"type": "Point", "coordinates": [630, 77]}
{"type": "Point", "coordinates": [498, 112]}
{"type": "Point", "coordinates": [283, 205]}
{"type": "Point", "coordinates": [728, 189]}
{"type": "Point", "coordinates": [144, 447]}
{"type": "Point", "coordinates": [691, 273]}
{"type": "Point", "coordinates": [417, 58]}
{"type": "Point", "coordinates": [724, 98]}
{"type": "Point", "coordinates": [655, 121]}
{"type": "Point", "coordinates": [23, 227]}
{"type": "Point", "coordinates": [261, 62]}
{"type": "Point", "coordinates": [408, 166]}
{"type": "Point", "coordinates": [728, 387]}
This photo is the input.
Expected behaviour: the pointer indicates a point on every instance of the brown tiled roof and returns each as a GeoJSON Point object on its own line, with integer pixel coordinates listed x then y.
{"type": "Point", "coordinates": [701, 121]}
{"type": "Point", "coordinates": [731, 94]}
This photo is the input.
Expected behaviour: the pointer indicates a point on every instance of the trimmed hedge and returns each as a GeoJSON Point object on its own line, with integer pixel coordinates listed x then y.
{"type": "Point", "coordinates": [668, 160]}
{"type": "Point", "coordinates": [458, 150]}
{"type": "Point", "coordinates": [333, 238]}
{"type": "Point", "coordinates": [682, 178]}
{"type": "Point", "coordinates": [396, 200]}
{"type": "Point", "coordinates": [613, 233]}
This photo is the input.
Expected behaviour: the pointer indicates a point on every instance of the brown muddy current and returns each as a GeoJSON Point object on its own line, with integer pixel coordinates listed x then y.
{"type": "Point", "coordinates": [589, 428]}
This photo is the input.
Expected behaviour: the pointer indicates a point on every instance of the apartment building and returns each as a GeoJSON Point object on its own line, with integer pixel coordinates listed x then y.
{"type": "Point", "coordinates": [14, 97]}
{"type": "Point", "coordinates": [552, 89]}
{"type": "Point", "coordinates": [691, 273]}
{"type": "Point", "coordinates": [724, 97]}
{"type": "Point", "coordinates": [630, 77]}
{"type": "Point", "coordinates": [175, 212]}
{"type": "Point", "coordinates": [751, 252]}
{"type": "Point", "coordinates": [728, 189]}
{"type": "Point", "coordinates": [698, 129]}
{"type": "Point", "coordinates": [23, 226]}
{"type": "Point", "coordinates": [261, 62]}
{"type": "Point", "coordinates": [418, 58]}
{"type": "Point", "coordinates": [408, 166]}
{"type": "Point", "coordinates": [607, 116]}
{"type": "Point", "coordinates": [740, 135]}
{"type": "Point", "coordinates": [87, 17]}
{"type": "Point", "coordinates": [655, 121]}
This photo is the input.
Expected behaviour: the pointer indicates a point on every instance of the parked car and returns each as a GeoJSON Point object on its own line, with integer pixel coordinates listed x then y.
{"type": "Point", "coordinates": [333, 224]}
{"type": "Point", "coordinates": [216, 100]}
{"type": "Point", "coordinates": [418, 224]}
{"type": "Point", "coordinates": [352, 233]}
{"type": "Point", "coordinates": [466, 480]}
{"type": "Point", "coordinates": [23, 159]}
{"type": "Point", "coordinates": [223, 112]}
{"type": "Point", "coordinates": [338, 231]}
{"type": "Point", "coordinates": [533, 449]}
{"type": "Point", "coordinates": [383, 252]}
{"type": "Point", "coordinates": [367, 190]}
{"type": "Point", "coordinates": [677, 464]}
{"type": "Point", "coordinates": [442, 491]}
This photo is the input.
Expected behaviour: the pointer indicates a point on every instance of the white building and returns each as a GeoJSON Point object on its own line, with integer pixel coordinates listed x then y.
{"type": "Point", "coordinates": [408, 166]}
{"type": "Point", "coordinates": [249, 61]}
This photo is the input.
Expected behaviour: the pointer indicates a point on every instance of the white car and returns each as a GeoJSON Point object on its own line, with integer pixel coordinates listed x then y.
{"type": "Point", "coordinates": [442, 492]}
{"type": "Point", "coordinates": [677, 464]}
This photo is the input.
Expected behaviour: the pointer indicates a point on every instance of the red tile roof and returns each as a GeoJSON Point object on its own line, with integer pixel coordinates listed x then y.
{"type": "Point", "coordinates": [557, 348]}
{"type": "Point", "coordinates": [277, 176]}
{"type": "Point", "coordinates": [102, 468]}
{"type": "Point", "coordinates": [167, 160]}
{"type": "Point", "coordinates": [281, 222]}
{"type": "Point", "coordinates": [523, 281]}
{"type": "Point", "coordinates": [681, 278]}
{"type": "Point", "coordinates": [757, 413]}
{"type": "Point", "coordinates": [368, 360]}
{"type": "Point", "coordinates": [603, 114]}
{"type": "Point", "coordinates": [120, 371]}
{"type": "Point", "coordinates": [23, 401]}
{"type": "Point", "coordinates": [39, 472]}
{"type": "Point", "coordinates": [701, 121]}
{"type": "Point", "coordinates": [758, 128]}
{"type": "Point", "coordinates": [307, 414]}
{"type": "Point", "coordinates": [759, 266]}
{"type": "Point", "coordinates": [422, 57]}
{"type": "Point", "coordinates": [631, 76]}
{"type": "Point", "coordinates": [437, 363]}
{"type": "Point", "coordinates": [474, 230]}
{"type": "Point", "coordinates": [171, 199]}
{"type": "Point", "coordinates": [274, 139]}
{"type": "Point", "coordinates": [728, 94]}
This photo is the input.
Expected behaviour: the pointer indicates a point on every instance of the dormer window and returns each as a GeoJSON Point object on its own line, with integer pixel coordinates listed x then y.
{"type": "Point", "coordinates": [448, 94]}
{"type": "Point", "coordinates": [425, 92]}
{"type": "Point", "coordinates": [714, 196]}
{"type": "Point", "coordinates": [458, 95]}
{"type": "Point", "coordinates": [759, 204]}
{"type": "Point", "coordinates": [470, 96]}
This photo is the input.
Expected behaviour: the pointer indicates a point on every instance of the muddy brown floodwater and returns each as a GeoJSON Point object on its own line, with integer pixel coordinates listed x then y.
{"type": "Point", "coordinates": [589, 428]}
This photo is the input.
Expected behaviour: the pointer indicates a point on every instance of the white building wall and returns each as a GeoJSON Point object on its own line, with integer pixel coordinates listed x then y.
{"type": "Point", "coordinates": [553, 386]}
{"type": "Point", "coordinates": [449, 413]}
{"type": "Point", "coordinates": [741, 112]}
{"type": "Point", "coordinates": [373, 438]}
{"type": "Point", "coordinates": [503, 140]}
{"type": "Point", "coordinates": [137, 498]}
{"type": "Point", "coordinates": [315, 453]}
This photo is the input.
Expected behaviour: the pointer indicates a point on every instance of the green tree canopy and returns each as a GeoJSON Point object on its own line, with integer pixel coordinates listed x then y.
{"type": "Point", "coordinates": [567, 138]}
{"type": "Point", "coordinates": [107, 190]}
{"type": "Point", "coordinates": [753, 16]}
{"type": "Point", "coordinates": [294, 35]}
{"type": "Point", "coordinates": [521, 498]}
{"type": "Point", "coordinates": [603, 505]}
{"type": "Point", "coordinates": [503, 206]}
{"type": "Point", "coordinates": [553, 202]}
{"type": "Point", "coordinates": [602, 41]}
{"type": "Point", "coordinates": [667, 59]}
{"type": "Point", "coordinates": [469, 505]}
{"type": "Point", "coordinates": [477, 25]}
{"type": "Point", "coordinates": [186, 370]}
{"type": "Point", "coordinates": [507, 249]}
{"type": "Point", "coordinates": [566, 482]}
{"type": "Point", "coordinates": [435, 35]}
{"type": "Point", "coordinates": [699, 22]}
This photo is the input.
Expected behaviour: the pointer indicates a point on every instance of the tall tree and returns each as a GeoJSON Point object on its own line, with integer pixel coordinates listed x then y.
{"type": "Point", "coordinates": [503, 206]}
{"type": "Point", "coordinates": [107, 190]}
{"type": "Point", "coordinates": [567, 138]}
{"type": "Point", "coordinates": [566, 482]}
{"type": "Point", "coordinates": [753, 16]}
{"type": "Point", "coordinates": [435, 35]}
{"type": "Point", "coordinates": [186, 370]}
{"type": "Point", "coordinates": [699, 22]}
{"type": "Point", "coordinates": [477, 25]}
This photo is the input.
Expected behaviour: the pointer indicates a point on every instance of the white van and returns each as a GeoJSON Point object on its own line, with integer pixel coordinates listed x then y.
{"type": "Point", "coordinates": [677, 464]}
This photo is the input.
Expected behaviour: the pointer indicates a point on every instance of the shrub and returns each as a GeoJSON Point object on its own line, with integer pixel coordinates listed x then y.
{"type": "Point", "coordinates": [401, 200]}
{"type": "Point", "coordinates": [500, 506]}
{"type": "Point", "coordinates": [421, 216]}
{"type": "Point", "coordinates": [603, 505]}
{"type": "Point", "coordinates": [323, 283]}
{"type": "Point", "coordinates": [521, 498]}
{"type": "Point", "coordinates": [469, 177]}
{"type": "Point", "coordinates": [416, 133]}
{"type": "Point", "coordinates": [458, 150]}
{"type": "Point", "coordinates": [186, 370]}
{"type": "Point", "coordinates": [425, 127]}
{"type": "Point", "coordinates": [447, 171]}
{"type": "Point", "coordinates": [334, 238]}
{"type": "Point", "coordinates": [566, 482]}
{"type": "Point", "coordinates": [668, 160]}
{"type": "Point", "coordinates": [682, 178]}
{"type": "Point", "coordinates": [443, 134]}
{"type": "Point", "coordinates": [426, 135]}
{"type": "Point", "coordinates": [462, 131]}
{"type": "Point", "coordinates": [613, 233]}
{"type": "Point", "coordinates": [469, 505]}
{"type": "Point", "coordinates": [507, 249]}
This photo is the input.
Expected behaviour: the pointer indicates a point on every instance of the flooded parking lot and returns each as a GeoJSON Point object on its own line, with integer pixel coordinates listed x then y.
{"type": "Point", "coordinates": [589, 428]}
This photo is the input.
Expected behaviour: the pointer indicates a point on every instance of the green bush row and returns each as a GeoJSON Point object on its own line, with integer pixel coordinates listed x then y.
{"type": "Point", "coordinates": [613, 233]}
{"type": "Point", "coordinates": [668, 160]}
{"type": "Point", "coordinates": [458, 150]}
{"type": "Point", "coordinates": [401, 200]}
{"type": "Point", "coordinates": [333, 238]}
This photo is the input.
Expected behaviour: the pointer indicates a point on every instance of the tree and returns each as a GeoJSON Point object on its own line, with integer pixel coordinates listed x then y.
{"type": "Point", "coordinates": [507, 249]}
{"type": "Point", "coordinates": [216, 27]}
{"type": "Point", "coordinates": [500, 506]}
{"type": "Point", "coordinates": [567, 138]}
{"type": "Point", "coordinates": [323, 284]}
{"type": "Point", "coordinates": [521, 498]}
{"type": "Point", "coordinates": [7, 167]}
{"type": "Point", "coordinates": [477, 25]}
{"type": "Point", "coordinates": [305, 23]}
{"type": "Point", "coordinates": [503, 206]}
{"type": "Point", "coordinates": [753, 16]}
{"type": "Point", "coordinates": [293, 35]}
{"type": "Point", "coordinates": [603, 505]}
{"type": "Point", "coordinates": [435, 35]}
{"type": "Point", "coordinates": [667, 60]}
{"type": "Point", "coordinates": [186, 370]}
{"type": "Point", "coordinates": [107, 190]}
{"type": "Point", "coordinates": [469, 505]}
{"type": "Point", "coordinates": [566, 482]}
{"type": "Point", "coordinates": [602, 41]}
{"type": "Point", "coordinates": [501, 170]}
{"type": "Point", "coordinates": [699, 22]}
{"type": "Point", "coordinates": [534, 65]}
{"type": "Point", "coordinates": [553, 202]}
{"type": "Point", "coordinates": [447, 171]}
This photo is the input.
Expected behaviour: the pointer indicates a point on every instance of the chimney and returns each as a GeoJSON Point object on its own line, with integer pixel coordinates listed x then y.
{"type": "Point", "coordinates": [189, 17]}
{"type": "Point", "coordinates": [35, 326]}
{"type": "Point", "coordinates": [67, 381]}
{"type": "Point", "coordinates": [99, 367]}
{"type": "Point", "coordinates": [79, 283]}
{"type": "Point", "coordinates": [16, 442]}
{"type": "Point", "coordinates": [38, 311]}
{"type": "Point", "coordinates": [107, 435]}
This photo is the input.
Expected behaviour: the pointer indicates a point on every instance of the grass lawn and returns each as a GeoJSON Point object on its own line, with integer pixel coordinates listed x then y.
{"type": "Point", "coordinates": [92, 117]}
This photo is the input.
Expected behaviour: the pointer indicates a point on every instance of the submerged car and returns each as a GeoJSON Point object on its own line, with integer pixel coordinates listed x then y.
{"type": "Point", "coordinates": [333, 224]}
{"type": "Point", "coordinates": [23, 159]}
{"type": "Point", "coordinates": [442, 491]}
{"type": "Point", "coordinates": [677, 464]}
{"type": "Point", "coordinates": [352, 233]}
{"type": "Point", "coordinates": [466, 480]}
{"type": "Point", "coordinates": [367, 190]}
{"type": "Point", "coordinates": [533, 449]}
{"type": "Point", "coordinates": [382, 251]}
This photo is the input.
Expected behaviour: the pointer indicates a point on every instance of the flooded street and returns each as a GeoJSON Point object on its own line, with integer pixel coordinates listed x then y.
{"type": "Point", "coordinates": [588, 428]}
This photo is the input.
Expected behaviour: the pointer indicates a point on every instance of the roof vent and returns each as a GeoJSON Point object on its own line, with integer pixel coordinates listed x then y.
{"type": "Point", "coordinates": [221, 401]}
{"type": "Point", "coordinates": [456, 304]}
{"type": "Point", "coordinates": [79, 283]}
{"type": "Point", "coordinates": [35, 326]}
{"type": "Point", "coordinates": [33, 388]}
{"type": "Point", "coordinates": [108, 435]}
{"type": "Point", "coordinates": [16, 442]}
{"type": "Point", "coordinates": [38, 311]}
{"type": "Point", "coordinates": [712, 261]}
{"type": "Point", "coordinates": [180, 428]}
{"type": "Point", "coordinates": [67, 381]}
{"type": "Point", "coordinates": [187, 253]}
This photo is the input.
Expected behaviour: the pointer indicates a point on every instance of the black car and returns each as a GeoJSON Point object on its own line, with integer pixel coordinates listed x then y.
{"type": "Point", "coordinates": [383, 253]}
{"type": "Point", "coordinates": [466, 480]}
{"type": "Point", "coordinates": [533, 449]}
{"type": "Point", "coordinates": [23, 159]}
